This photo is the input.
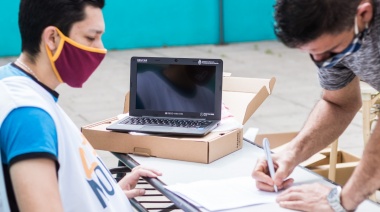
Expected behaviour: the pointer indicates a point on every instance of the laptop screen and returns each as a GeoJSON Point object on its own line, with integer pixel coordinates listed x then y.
{"type": "Point", "coordinates": [169, 87]}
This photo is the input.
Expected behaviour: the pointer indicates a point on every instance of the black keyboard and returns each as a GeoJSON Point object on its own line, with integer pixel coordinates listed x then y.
{"type": "Point", "coordinates": [166, 122]}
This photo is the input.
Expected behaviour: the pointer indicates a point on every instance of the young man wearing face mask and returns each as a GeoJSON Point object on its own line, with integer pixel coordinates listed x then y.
{"type": "Point", "coordinates": [48, 164]}
{"type": "Point", "coordinates": [343, 39]}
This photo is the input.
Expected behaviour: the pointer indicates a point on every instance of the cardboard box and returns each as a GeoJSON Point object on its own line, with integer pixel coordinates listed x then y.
{"type": "Point", "coordinates": [318, 163]}
{"type": "Point", "coordinates": [278, 141]}
{"type": "Point", "coordinates": [242, 96]}
{"type": "Point", "coordinates": [345, 166]}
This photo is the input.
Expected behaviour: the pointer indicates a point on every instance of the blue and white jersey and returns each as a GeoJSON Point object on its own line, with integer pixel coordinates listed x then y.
{"type": "Point", "coordinates": [33, 125]}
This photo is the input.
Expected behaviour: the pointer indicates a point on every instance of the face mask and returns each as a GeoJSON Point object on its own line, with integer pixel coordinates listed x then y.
{"type": "Point", "coordinates": [352, 48]}
{"type": "Point", "coordinates": [73, 63]}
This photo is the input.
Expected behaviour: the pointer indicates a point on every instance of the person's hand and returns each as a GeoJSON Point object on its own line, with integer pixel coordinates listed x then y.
{"type": "Point", "coordinates": [129, 182]}
{"type": "Point", "coordinates": [308, 197]}
{"type": "Point", "coordinates": [283, 167]}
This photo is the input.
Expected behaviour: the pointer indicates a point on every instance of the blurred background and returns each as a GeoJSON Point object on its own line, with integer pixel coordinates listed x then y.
{"type": "Point", "coordinates": [151, 23]}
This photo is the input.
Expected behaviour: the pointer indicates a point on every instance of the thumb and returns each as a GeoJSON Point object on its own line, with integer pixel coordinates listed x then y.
{"type": "Point", "coordinates": [281, 174]}
{"type": "Point", "coordinates": [134, 193]}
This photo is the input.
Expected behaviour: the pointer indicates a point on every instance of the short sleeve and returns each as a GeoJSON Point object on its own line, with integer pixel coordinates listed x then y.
{"type": "Point", "coordinates": [28, 132]}
{"type": "Point", "coordinates": [335, 78]}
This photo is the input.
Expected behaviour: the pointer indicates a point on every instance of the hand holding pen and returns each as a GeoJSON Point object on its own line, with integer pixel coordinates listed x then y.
{"type": "Point", "coordinates": [272, 171]}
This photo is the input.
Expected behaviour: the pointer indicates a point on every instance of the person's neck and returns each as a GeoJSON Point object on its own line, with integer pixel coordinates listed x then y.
{"type": "Point", "coordinates": [40, 68]}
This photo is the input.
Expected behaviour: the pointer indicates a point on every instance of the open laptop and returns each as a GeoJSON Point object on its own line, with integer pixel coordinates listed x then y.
{"type": "Point", "coordinates": [173, 96]}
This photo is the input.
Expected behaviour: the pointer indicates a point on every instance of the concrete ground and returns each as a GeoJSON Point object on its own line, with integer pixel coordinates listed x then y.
{"type": "Point", "coordinates": [295, 93]}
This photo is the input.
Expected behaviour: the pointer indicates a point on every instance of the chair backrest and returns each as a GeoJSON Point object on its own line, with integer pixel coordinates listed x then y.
{"type": "Point", "coordinates": [4, 206]}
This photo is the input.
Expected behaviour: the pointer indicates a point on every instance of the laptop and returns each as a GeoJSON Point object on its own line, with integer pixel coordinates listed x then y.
{"type": "Point", "coordinates": [173, 96]}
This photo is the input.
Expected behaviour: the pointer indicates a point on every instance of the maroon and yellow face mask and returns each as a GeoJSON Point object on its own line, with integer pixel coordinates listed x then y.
{"type": "Point", "coordinates": [73, 63]}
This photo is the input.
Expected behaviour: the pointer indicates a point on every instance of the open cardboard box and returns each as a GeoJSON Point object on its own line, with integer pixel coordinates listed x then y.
{"type": "Point", "coordinates": [242, 96]}
{"type": "Point", "coordinates": [278, 141]}
{"type": "Point", "coordinates": [345, 165]}
{"type": "Point", "coordinates": [318, 163]}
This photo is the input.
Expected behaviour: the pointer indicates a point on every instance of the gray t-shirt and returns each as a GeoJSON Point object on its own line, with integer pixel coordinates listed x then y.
{"type": "Point", "coordinates": [365, 63]}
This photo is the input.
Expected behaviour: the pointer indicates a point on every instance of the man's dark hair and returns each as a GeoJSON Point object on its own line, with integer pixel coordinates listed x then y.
{"type": "Point", "coordinates": [36, 15]}
{"type": "Point", "coordinates": [301, 21]}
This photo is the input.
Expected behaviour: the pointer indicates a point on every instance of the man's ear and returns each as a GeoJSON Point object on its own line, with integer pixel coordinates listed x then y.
{"type": "Point", "coordinates": [51, 38]}
{"type": "Point", "coordinates": [364, 14]}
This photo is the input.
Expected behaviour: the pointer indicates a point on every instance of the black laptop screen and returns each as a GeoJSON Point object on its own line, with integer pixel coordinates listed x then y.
{"type": "Point", "coordinates": [175, 88]}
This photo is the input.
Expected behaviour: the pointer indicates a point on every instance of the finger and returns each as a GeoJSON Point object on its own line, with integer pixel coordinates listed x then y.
{"type": "Point", "coordinates": [130, 180]}
{"type": "Point", "coordinates": [139, 168]}
{"type": "Point", "coordinates": [134, 193]}
{"type": "Point", "coordinates": [264, 186]}
{"type": "Point", "coordinates": [281, 174]}
{"type": "Point", "coordinates": [261, 177]}
{"type": "Point", "coordinates": [260, 173]}
{"type": "Point", "coordinates": [145, 173]}
{"type": "Point", "coordinates": [286, 184]}
{"type": "Point", "coordinates": [294, 205]}
{"type": "Point", "coordinates": [294, 189]}
{"type": "Point", "coordinates": [261, 165]}
{"type": "Point", "coordinates": [290, 196]}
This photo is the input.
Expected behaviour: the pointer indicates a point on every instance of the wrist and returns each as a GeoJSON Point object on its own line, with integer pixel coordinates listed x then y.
{"type": "Point", "coordinates": [347, 204]}
{"type": "Point", "coordinates": [290, 158]}
{"type": "Point", "coordinates": [334, 199]}
{"type": "Point", "coordinates": [294, 153]}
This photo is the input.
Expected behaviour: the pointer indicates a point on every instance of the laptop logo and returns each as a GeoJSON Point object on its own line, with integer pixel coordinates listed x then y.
{"type": "Point", "coordinates": [207, 62]}
{"type": "Point", "coordinates": [206, 114]}
{"type": "Point", "coordinates": [142, 60]}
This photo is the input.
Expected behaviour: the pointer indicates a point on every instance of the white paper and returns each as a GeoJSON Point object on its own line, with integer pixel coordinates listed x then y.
{"type": "Point", "coordinates": [223, 194]}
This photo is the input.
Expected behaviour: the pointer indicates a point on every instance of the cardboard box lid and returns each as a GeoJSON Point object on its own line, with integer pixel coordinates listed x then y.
{"type": "Point", "coordinates": [242, 96]}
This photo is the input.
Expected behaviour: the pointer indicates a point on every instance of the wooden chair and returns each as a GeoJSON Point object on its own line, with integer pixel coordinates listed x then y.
{"type": "Point", "coordinates": [370, 112]}
{"type": "Point", "coordinates": [333, 160]}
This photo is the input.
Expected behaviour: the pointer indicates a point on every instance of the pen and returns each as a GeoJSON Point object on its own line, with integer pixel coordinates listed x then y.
{"type": "Point", "coordinates": [269, 160]}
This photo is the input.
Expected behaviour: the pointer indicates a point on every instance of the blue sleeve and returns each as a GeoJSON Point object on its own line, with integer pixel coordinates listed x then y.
{"type": "Point", "coordinates": [28, 132]}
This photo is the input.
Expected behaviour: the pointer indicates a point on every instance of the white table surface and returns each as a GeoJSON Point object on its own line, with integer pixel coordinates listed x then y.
{"type": "Point", "coordinates": [236, 164]}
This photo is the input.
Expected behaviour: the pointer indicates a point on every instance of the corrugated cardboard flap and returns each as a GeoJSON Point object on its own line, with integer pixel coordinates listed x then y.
{"type": "Point", "coordinates": [126, 103]}
{"type": "Point", "coordinates": [243, 96]}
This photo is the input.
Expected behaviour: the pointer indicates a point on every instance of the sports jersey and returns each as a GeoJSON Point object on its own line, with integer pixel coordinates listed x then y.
{"type": "Point", "coordinates": [85, 184]}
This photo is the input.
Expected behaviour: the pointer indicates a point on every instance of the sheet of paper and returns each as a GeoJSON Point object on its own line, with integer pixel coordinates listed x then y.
{"type": "Point", "coordinates": [223, 194]}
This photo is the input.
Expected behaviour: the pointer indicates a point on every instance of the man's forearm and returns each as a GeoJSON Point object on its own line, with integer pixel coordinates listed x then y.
{"type": "Point", "coordinates": [325, 124]}
{"type": "Point", "coordinates": [365, 179]}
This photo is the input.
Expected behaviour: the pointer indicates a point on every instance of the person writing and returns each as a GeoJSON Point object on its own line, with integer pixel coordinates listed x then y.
{"type": "Point", "coordinates": [48, 164]}
{"type": "Point", "coordinates": [343, 39]}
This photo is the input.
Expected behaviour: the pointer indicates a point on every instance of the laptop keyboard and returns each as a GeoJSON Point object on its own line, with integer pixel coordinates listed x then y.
{"type": "Point", "coordinates": [166, 122]}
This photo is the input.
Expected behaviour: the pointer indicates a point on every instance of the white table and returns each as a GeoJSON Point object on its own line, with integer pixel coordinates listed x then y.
{"type": "Point", "coordinates": [237, 164]}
